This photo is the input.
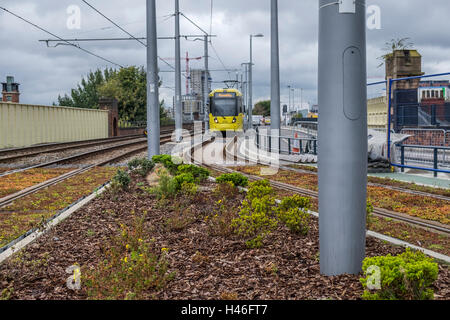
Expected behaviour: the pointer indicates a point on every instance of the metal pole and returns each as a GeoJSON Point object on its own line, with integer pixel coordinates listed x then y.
{"type": "Point", "coordinates": [250, 87]}
{"type": "Point", "coordinates": [389, 121]}
{"type": "Point", "coordinates": [178, 109]}
{"type": "Point", "coordinates": [289, 88]}
{"type": "Point", "coordinates": [206, 88]}
{"type": "Point", "coordinates": [301, 99]}
{"type": "Point", "coordinates": [275, 113]}
{"type": "Point", "coordinates": [293, 99]}
{"type": "Point", "coordinates": [246, 88]}
{"type": "Point", "coordinates": [342, 136]}
{"type": "Point", "coordinates": [153, 117]}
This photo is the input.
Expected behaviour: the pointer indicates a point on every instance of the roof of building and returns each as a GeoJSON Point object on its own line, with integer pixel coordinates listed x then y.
{"type": "Point", "coordinates": [412, 53]}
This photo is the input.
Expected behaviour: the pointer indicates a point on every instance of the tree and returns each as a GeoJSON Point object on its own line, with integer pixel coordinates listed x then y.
{"type": "Point", "coordinates": [262, 108]}
{"type": "Point", "coordinates": [86, 93]}
{"type": "Point", "coordinates": [391, 46]}
{"type": "Point", "coordinates": [128, 86]}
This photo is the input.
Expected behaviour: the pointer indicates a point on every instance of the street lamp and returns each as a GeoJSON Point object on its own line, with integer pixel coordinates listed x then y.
{"type": "Point", "coordinates": [289, 90]}
{"type": "Point", "coordinates": [250, 89]}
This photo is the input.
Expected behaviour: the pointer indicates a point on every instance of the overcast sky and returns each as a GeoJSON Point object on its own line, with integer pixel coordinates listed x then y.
{"type": "Point", "coordinates": [46, 72]}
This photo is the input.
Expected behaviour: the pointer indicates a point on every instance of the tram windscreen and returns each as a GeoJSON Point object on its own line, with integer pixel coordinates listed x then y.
{"type": "Point", "coordinates": [224, 105]}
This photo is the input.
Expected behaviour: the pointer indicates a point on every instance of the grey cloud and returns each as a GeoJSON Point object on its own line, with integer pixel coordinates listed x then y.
{"type": "Point", "coordinates": [46, 72]}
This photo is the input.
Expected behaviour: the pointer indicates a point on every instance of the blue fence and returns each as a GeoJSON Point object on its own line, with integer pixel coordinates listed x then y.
{"type": "Point", "coordinates": [423, 113]}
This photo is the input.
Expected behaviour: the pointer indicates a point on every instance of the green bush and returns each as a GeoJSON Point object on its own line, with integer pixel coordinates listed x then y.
{"type": "Point", "coordinates": [408, 276]}
{"type": "Point", "coordinates": [295, 201]}
{"type": "Point", "coordinates": [120, 181]}
{"type": "Point", "coordinates": [167, 186]}
{"type": "Point", "coordinates": [168, 162]}
{"type": "Point", "coordinates": [188, 189]}
{"type": "Point", "coordinates": [200, 174]}
{"type": "Point", "coordinates": [183, 178]}
{"type": "Point", "coordinates": [292, 211]}
{"type": "Point", "coordinates": [237, 179]}
{"type": "Point", "coordinates": [296, 219]}
{"type": "Point", "coordinates": [257, 215]}
{"type": "Point", "coordinates": [259, 189]}
{"type": "Point", "coordinates": [141, 166]}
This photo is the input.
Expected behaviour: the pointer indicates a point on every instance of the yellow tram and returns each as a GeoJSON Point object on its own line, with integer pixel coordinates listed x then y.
{"type": "Point", "coordinates": [226, 110]}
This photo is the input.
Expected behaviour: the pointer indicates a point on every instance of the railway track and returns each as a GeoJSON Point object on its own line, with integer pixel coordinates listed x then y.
{"type": "Point", "coordinates": [68, 160]}
{"type": "Point", "coordinates": [54, 148]}
{"type": "Point", "coordinates": [394, 188]}
{"type": "Point", "coordinates": [19, 157]}
{"type": "Point", "coordinates": [48, 146]}
{"type": "Point", "coordinates": [414, 192]}
{"type": "Point", "coordinates": [313, 194]}
{"type": "Point", "coordinates": [23, 193]}
{"type": "Point", "coordinates": [61, 146]}
{"type": "Point", "coordinates": [11, 198]}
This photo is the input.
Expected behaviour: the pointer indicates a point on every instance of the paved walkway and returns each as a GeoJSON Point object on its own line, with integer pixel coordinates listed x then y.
{"type": "Point", "coordinates": [425, 179]}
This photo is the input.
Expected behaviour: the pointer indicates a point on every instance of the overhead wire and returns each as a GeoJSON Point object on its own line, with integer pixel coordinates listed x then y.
{"type": "Point", "coordinates": [61, 39]}
{"type": "Point", "coordinates": [132, 36]}
{"type": "Point", "coordinates": [210, 41]}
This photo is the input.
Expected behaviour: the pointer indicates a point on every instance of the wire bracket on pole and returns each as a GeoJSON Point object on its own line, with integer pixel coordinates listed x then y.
{"type": "Point", "coordinates": [345, 6]}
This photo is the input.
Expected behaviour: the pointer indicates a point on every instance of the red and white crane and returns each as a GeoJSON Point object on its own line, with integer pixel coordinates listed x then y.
{"type": "Point", "coordinates": [188, 75]}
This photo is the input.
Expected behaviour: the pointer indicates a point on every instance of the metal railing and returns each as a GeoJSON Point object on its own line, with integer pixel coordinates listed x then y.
{"type": "Point", "coordinates": [286, 145]}
{"type": "Point", "coordinates": [308, 127]}
{"type": "Point", "coordinates": [428, 158]}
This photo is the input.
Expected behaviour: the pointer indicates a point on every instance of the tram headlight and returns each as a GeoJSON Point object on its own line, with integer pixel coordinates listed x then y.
{"type": "Point", "coordinates": [216, 121]}
{"type": "Point", "coordinates": [234, 120]}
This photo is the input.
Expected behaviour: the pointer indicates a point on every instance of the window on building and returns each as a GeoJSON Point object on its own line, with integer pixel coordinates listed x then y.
{"type": "Point", "coordinates": [8, 98]}
{"type": "Point", "coordinates": [442, 94]}
{"type": "Point", "coordinates": [428, 94]}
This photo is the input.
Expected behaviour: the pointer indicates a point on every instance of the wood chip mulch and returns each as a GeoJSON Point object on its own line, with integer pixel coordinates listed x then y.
{"type": "Point", "coordinates": [206, 266]}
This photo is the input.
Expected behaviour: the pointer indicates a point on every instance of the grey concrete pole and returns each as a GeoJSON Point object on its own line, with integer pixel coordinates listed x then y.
{"type": "Point", "coordinates": [342, 136]}
{"type": "Point", "coordinates": [250, 87]}
{"type": "Point", "coordinates": [206, 90]}
{"type": "Point", "coordinates": [178, 110]}
{"type": "Point", "coordinates": [275, 115]}
{"type": "Point", "coordinates": [153, 117]}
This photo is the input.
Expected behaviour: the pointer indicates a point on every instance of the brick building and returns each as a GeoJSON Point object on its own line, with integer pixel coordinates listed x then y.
{"type": "Point", "coordinates": [10, 90]}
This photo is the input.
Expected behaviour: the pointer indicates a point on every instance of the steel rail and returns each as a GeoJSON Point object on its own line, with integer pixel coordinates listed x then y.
{"type": "Point", "coordinates": [394, 188]}
{"type": "Point", "coordinates": [57, 144]}
{"type": "Point", "coordinates": [77, 146]}
{"type": "Point", "coordinates": [11, 198]}
{"type": "Point", "coordinates": [71, 158]}
{"type": "Point", "coordinates": [78, 156]}
{"type": "Point", "coordinates": [372, 184]}
{"type": "Point", "coordinates": [164, 130]}
{"type": "Point", "coordinates": [377, 211]}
